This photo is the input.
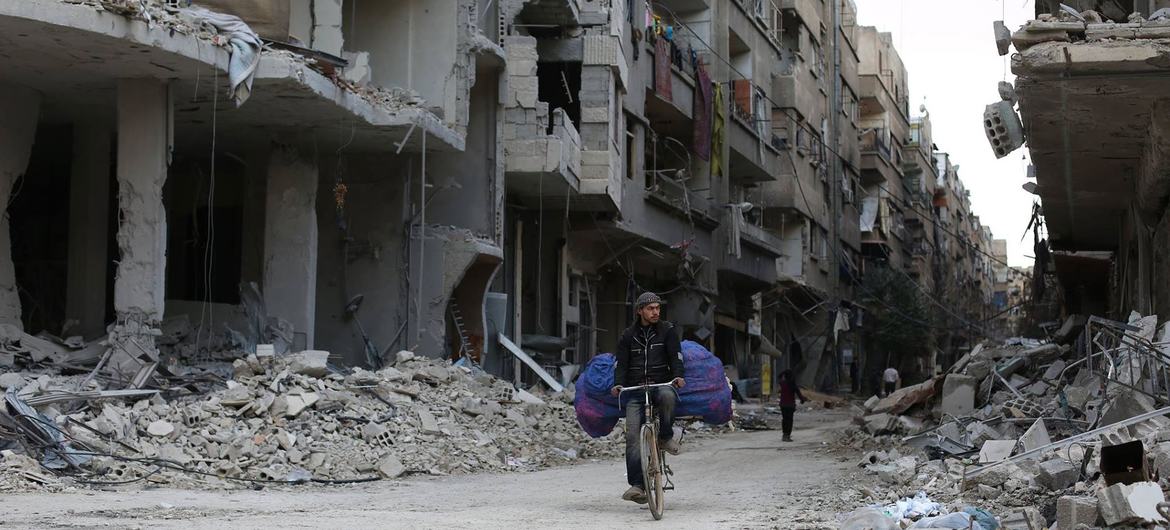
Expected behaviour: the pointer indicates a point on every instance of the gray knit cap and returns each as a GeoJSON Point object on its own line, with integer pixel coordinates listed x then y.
{"type": "Point", "coordinates": [646, 299]}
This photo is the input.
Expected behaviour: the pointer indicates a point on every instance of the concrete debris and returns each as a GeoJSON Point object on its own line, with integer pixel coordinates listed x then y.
{"type": "Point", "coordinates": [1036, 436]}
{"type": "Point", "coordinates": [160, 428]}
{"type": "Point", "coordinates": [1017, 426]}
{"type": "Point", "coordinates": [1072, 511]}
{"type": "Point", "coordinates": [904, 398]}
{"type": "Point", "coordinates": [312, 363]}
{"type": "Point", "coordinates": [291, 416]}
{"type": "Point", "coordinates": [958, 395]}
{"type": "Point", "coordinates": [1131, 503]}
{"type": "Point", "coordinates": [996, 450]}
{"type": "Point", "coordinates": [1057, 474]}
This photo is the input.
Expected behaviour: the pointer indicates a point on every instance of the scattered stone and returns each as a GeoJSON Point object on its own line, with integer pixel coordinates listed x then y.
{"type": "Point", "coordinates": [1072, 511]}
{"type": "Point", "coordinates": [427, 422]}
{"type": "Point", "coordinates": [390, 467]}
{"type": "Point", "coordinates": [11, 380]}
{"type": "Point", "coordinates": [904, 398]}
{"type": "Point", "coordinates": [1057, 474]}
{"type": "Point", "coordinates": [958, 395]}
{"type": "Point", "coordinates": [313, 363]}
{"type": "Point", "coordinates": [297, 403]}
{"type": "Point", "coordinates": [160, 428]}
{"type": "Point", "coordinates": [403, 357]}
{"type": "Point", "coordinates": [1035, 436]}
{"type": "Point", "coordinates": [1130, 503]}
{"type": "Point", "coordinates": [996, 450]}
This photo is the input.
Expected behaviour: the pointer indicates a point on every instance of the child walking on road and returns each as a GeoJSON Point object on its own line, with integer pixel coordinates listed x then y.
{"type": "Point", "coordinates": [789, 393]}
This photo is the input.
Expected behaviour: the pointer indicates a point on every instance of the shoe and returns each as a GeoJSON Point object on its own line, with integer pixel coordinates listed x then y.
{"type": "Point", "coordinates": [635, 494]}
{"type": "Point", "coordinates": [671, 446]}
{"type": "Point", "coordinates": [787, 438]}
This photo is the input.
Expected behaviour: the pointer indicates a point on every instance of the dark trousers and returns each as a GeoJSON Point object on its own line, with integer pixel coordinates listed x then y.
{"type": "Point", "coordinates": [664, 400]}
{"type": "Point", "coordinates": [890, 387]}
{"type": "Point", "coordinates": [786, 423]}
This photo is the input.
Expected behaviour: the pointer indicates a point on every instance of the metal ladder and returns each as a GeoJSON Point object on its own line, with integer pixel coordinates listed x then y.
{"type": "Point", "coordinates": [461, 329]}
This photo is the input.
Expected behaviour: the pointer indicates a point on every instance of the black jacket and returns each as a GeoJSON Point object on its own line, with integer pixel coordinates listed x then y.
{"type": "Point", "coordinates": [651, 353]}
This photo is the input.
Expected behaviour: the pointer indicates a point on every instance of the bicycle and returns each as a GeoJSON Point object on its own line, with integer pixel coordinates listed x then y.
{"type": "Point", "coordinates": [656, 475]}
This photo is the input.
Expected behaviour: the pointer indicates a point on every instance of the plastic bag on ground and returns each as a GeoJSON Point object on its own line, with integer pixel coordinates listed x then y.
{"type": "Point", "coordinates": [706, 394]}
{"type": "Point", "coordinates": [957, 520]}
{"type": "Point", "coordinates": [914, 507]}
{"type": "Point", "coordinates": [869, 519]}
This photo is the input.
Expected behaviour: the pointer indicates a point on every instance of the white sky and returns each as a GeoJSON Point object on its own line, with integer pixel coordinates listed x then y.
{"type": "Point", "coordinates": [949, 50]}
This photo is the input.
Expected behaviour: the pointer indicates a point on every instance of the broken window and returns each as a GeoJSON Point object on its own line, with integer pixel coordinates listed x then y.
{"type": "Point", "coordinates": [559, 85]}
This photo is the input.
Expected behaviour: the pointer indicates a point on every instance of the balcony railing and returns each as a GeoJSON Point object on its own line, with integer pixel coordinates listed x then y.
{"type": "Point", "coordinates": [872, 141]}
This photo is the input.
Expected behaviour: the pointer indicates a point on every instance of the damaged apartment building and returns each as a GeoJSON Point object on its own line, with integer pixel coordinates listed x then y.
{"type": "Point", "coordinates": [1091, 84]}
{"type": "Point", "coordinates": [494, 181]}
{"type": "Point", "coordinates": [281, 172]}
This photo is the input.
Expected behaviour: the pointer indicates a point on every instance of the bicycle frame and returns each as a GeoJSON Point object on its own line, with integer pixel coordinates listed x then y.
{"type": "Point", "coordinates": [654, 466]}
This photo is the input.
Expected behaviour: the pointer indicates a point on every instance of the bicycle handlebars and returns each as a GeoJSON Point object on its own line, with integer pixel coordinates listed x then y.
{"type": "Point", "coordinates": [643, 387]}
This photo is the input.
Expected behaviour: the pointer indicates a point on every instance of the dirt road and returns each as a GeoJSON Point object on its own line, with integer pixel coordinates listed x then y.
{"type": "Point", "coordinates": [739, 480]}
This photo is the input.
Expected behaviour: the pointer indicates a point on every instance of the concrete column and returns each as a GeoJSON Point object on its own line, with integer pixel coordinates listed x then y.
{"type": "Point", "coordinates": [20, 108]}
{"type": "Point", "coordinates": [139, 285]}
{"type": "Point", "coordinates": [290, 243]}
{"type": "Point", "coordinates": [89, 190]}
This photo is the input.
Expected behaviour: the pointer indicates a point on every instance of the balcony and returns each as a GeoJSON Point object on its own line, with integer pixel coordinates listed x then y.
{"type": "Point", "coordinates": [673, 116]}
{"type": "Point", "coordinates": [531, 156]}
{"type": "Point", "coordinates": [753, 158]}
{"type": "Point", "coordinates": [878, 159]}
{"type": "Point", "coordinates": [551, 12]}
{"type": "Point", "coordinates": [676, 198]}
{"type": "Point", "coordinates": [811, 12]}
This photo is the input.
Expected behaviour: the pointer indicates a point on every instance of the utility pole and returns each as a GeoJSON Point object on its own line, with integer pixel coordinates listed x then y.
{"type": "Point", "coordinates": [835, 177]}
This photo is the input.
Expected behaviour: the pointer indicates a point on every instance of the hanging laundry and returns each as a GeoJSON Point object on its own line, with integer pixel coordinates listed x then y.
{"type": "Point", "coordinates": [718, 131]}
{"type": "Point", "coordinates": [701, 142]}
{"type": "Point", "coordinates": [662, 77]}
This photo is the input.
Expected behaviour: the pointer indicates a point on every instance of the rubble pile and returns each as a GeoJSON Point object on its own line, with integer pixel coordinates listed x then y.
{"type": "Point", "coordinates": [1066, 432]}
{"type": "Point", "coordinates": [293, 419]}
{"type": "Point", "coordinates": [1069, 25]}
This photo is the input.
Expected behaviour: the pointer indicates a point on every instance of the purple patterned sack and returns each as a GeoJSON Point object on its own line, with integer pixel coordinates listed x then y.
{"type": "Point", "coordinates": [706, 395]}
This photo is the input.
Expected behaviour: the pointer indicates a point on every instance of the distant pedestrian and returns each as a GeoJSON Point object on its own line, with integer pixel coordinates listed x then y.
{"type": "Point", "coordinates": [889, 381]}
{"type": "Point", "coordinates": [789, 393]}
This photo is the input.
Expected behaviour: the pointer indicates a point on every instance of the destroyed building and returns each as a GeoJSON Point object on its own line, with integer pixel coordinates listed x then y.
{"type": "Point", "coordinates": [301, 175]}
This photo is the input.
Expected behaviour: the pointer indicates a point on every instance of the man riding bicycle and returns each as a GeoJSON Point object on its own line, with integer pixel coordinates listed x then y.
{"type": "Point", "coordinates": [649, 352]}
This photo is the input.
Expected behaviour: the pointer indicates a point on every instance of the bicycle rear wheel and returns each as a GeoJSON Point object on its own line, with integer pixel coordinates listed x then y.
{"type": "Point", "coordinates": [652, 478]}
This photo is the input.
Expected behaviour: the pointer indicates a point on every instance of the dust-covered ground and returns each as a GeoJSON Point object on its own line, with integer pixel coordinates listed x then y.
{"type": "Point", "coordinates": [746, 479]}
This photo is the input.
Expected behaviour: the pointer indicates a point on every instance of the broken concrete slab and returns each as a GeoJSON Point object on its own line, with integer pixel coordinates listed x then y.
{"type": "Point", "coordinates": [904, 398]}
{"type": "Point", "coordinates": [390, 467]}
{"type": "Point", "coordinates": [1125, 405]}
{"type": "Point", "coordinates": [313, 363]}
{"type": "Point", "coordinates": [876, 424]}
{"type": "Point", "coordinates": [1023, 519]}
{"type": "Point", "coordinates": [1072, 511]}
{"type": "Point", "coordinates": [996, 450]}
{"type": "Point", "coordinates": [958, 395]}
{"type": "Point", "coordinates": [160, 428]}
{"type": "Point", "coordinates": [871, 402]}
{"type": "Point", "coordinates": [1131, 503]}
{"type": "Point", "coordinates": [427, 422]}
{"type": "Point", "coordinates": [11, 380]}
{"type": "Point", "coordinates": [1035, 436]}
{"type": "Point", "coordinates": [1057, 474]}
{"type": "Point", "coordinates": [297, 403]}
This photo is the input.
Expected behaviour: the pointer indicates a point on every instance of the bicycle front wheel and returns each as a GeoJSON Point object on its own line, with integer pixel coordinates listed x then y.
{"type": "Point", "coordinates": [652, 478]}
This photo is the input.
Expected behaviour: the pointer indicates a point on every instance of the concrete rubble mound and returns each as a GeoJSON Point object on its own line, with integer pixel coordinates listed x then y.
{"type": "Point", "coordinates": [286, 419]}
{"type": "Point", "coordinates": [1043, 434]}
